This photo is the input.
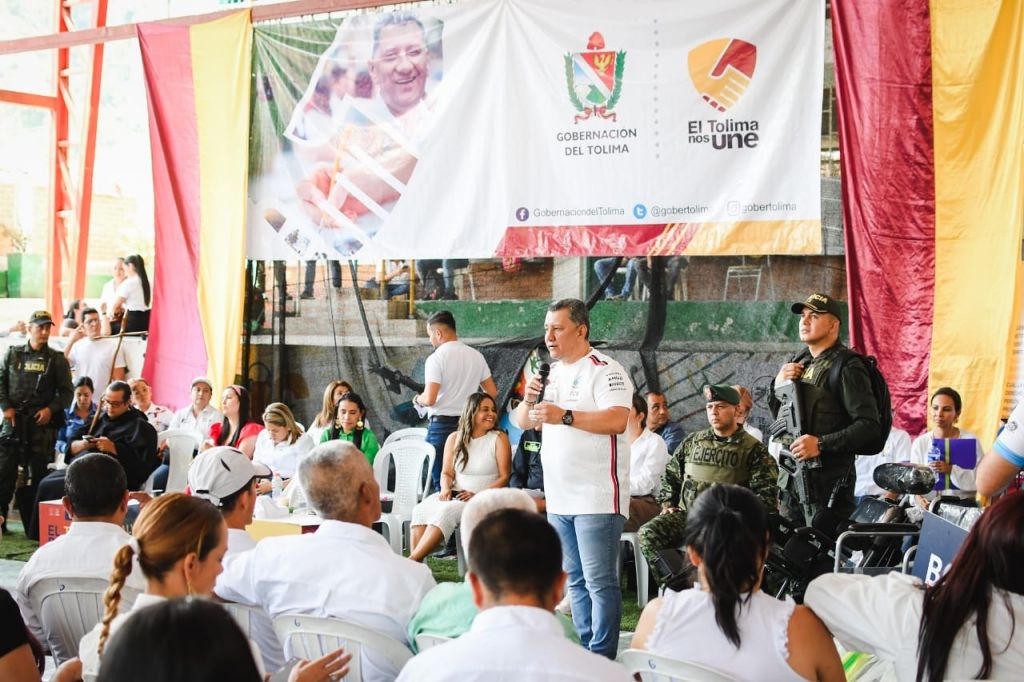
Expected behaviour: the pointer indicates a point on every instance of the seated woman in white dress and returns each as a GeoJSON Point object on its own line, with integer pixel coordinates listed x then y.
{"type": "Point", "coordinates": [945, 409]}
{"type": "Point", "coordinates": [727, 622]}
{"type": "Point", "coordinates": [282, 444]}
{"type": "Point", "coordinates": [477, 456]}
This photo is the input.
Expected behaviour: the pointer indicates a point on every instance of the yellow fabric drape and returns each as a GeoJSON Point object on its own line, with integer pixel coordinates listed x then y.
{"type": "Point", "coordinates": [221, 59]}
{"type": "Point", "coordinates": [978, 108]}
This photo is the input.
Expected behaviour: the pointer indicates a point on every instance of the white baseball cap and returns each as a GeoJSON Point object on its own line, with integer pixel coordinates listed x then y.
{"type": "Point", "coordinates": [221, 472]}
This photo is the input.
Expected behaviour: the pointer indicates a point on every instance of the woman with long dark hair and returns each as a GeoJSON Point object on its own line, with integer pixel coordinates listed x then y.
{"type": "Point", "coordinates": [350, 424]}
{"type": "Point", "coordinates": [237, 430]}
{"type": "Point", "coordinates": [727, 623]}
{"type": "Point", "coordinates": [133, 295]}
{"type": "Point", "coordinates": [944, 409]}
{"type": "Point", "coordinates": [476, 457]}
{"type": "Point", "coordinates": [961, 627]}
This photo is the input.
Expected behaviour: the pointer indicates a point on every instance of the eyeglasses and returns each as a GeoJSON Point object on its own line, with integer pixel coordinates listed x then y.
{"type": "Point", "coordinates": [114, 403]}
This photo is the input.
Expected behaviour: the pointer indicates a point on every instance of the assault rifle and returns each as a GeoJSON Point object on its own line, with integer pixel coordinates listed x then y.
{"type": "Point", "coordinates": [794, 478]}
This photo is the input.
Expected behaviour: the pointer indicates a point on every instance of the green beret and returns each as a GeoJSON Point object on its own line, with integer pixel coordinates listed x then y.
{"type": "Point", "coordinates": [723, 392]}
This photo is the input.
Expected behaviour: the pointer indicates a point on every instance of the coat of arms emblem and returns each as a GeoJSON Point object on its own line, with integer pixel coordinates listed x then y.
{"type": "Point", "coordinates": [594, 79]}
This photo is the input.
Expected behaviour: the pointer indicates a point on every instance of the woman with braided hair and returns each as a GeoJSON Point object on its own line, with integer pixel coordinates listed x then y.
{"type": "Point", "coordinates": [178, 542]}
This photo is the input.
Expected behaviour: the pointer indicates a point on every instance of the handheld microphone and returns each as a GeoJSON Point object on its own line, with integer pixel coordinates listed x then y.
{"type": "Point", "coordinates": [542, 373]}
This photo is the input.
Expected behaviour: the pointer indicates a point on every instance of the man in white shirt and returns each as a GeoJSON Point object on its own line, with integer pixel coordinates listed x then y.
{"type": "Point", "coordinates": [93, 357]}
{"type": "Point", "coordinates": [199, 417]}
{"type": "Point", "coordinates": [897, 449]}
{"type": "Point", "coordinates": [344, 570]}
{"type": "Point", "coordinates": [516, 577]}
{"type": "Point", "coordinates": [227, 478]}
{"type": "Point", "coordinates": [453, 372]}
{"type": "Point", "coordinates": [97, 501]}
{"type": "Point", "coordinates": [108, 297]}
{"type": "Point", "coordinates": [584, 409]}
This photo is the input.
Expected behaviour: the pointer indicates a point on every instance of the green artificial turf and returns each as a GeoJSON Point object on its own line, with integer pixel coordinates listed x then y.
{"type": "Point", "coordinates": [14, 545]}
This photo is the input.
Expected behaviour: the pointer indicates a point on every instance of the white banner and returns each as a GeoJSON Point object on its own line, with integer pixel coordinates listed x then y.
{"type": "Point", "coordinates": [582, 127]}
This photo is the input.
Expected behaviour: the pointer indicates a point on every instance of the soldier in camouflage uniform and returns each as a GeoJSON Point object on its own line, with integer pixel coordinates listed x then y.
{"type": "Point", "coordinates": [724, 453]}
{"type": "Point", "coordinates": [836, 427]}
{"type": "Point", "coordinates": [35, 389]}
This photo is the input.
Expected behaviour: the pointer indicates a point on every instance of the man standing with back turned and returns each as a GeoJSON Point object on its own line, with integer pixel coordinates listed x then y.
{"type": "Point", "coordinates": [454, 371]}
{"type": "Point", "coordinates": [838, 425]}
{"type": "Point", "coordinates": [584, 409]}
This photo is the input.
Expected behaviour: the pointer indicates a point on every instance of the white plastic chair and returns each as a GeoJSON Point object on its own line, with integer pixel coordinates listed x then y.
{"type": "Point", "coordinates": [181, 443]}
{"type": "Point", "coordinates": [70, 607]}
{"type": "Point", "coordinates": [643, 571]}
{"type": "Point", "coordinates": [653, 668]}
{"type": "Point", "coordinates": [415, 433]}
{"type": "Point", "coordinates": [310, 637]}
{"type": "Point", "coordinates": [425, 641]}
{"type": "Point", "coordinates": [409, 456]}
{"type": "Point", "coordinates": [258, 627]}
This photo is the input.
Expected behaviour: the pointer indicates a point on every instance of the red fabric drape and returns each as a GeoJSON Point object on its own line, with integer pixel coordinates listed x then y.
{"type": "Point", "coordinates": [176, 351]}
{"type": "Point", "coordinates": [884, 94]}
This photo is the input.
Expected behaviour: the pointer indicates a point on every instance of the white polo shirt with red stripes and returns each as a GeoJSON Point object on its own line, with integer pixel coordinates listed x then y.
{"type": "Point", "coordinates": [586, 473]}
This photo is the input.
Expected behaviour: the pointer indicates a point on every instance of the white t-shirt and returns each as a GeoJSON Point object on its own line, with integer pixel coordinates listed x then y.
{"type": "Point", "coordinates": [962, 478]}
{"type": "Point", "coordinates": [753, 431]}
{"type": "Point", "coordinates": [881, 615]}
{"type": "Point", "coordinates": [282, 458]}
{"type": "Point", "coordinates": [460, 370]}
{"type": "Point", "coordinates": [184, 419]}
{"type": "Point", "coordinates": [586, 473]}
{"type": "Point", "coordinates": [897, 449]}
{"type": "Point", "coordinates": [131, 290]}
{"type": "Point", "coordinates": [93, 357]}
{"type": "Point", "coordinates": [648, 457]}
{"type": "Point", "coordinates": [1010, 442]}
{"type": "Point", "coordinates": [109, 295]}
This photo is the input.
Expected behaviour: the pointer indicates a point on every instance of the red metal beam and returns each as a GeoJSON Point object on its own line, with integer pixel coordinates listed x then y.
{"type": "Point", "coordinates": [29, 99]}
{"type": "Point", "coordinates": [57, 242]}
{"type": "Point", "coordinates": [88, 158]}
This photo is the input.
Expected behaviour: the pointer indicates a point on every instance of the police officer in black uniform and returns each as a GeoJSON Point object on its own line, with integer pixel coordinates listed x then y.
{"type": "Point", "coordinates": [837, 425]}
{"type": "Point", "coordinates": [35, 389]}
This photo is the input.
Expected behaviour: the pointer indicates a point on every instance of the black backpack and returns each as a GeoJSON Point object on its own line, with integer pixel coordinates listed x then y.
{"type": "Point", "coordinates": [879, 388]}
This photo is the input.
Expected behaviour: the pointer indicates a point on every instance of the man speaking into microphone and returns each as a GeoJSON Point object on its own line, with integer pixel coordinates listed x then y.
{"type": "Point", "coordinates": [584, 408]}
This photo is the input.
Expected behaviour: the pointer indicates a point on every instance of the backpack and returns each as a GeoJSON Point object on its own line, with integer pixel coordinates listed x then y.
{"type": "Point", "coordinates": [879, 388]}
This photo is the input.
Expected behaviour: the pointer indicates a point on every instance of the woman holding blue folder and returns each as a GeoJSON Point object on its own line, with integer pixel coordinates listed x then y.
{"type": "Point", "coordinates": [930, 448]}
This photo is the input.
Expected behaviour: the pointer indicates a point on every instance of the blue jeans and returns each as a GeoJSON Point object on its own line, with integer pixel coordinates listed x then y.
{"type": "Point", "coordinates": [590, 555]}
{"type": "Point", "coordinates": [602, 266]}
{"type": "Point", "coordinates": [437, 433]}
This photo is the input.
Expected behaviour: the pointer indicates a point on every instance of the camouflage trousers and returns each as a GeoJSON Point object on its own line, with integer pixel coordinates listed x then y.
{"type": "Point", "coordinates": [662, 532]}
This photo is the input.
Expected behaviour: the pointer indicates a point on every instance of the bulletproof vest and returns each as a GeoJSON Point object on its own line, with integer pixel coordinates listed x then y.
{"type": "Point", "coordinates": [31, 376]}
{"type": "Point", "coordinates": [709, 461]}
{"type": "Point", "coordinates": [822, 411]}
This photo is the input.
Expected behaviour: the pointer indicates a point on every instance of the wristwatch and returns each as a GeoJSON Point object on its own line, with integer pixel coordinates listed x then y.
{"type": "Point", "coordinates": [567, 418]}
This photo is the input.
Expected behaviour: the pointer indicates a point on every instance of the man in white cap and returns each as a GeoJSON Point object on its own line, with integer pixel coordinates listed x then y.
{"type": "Point", "coordinates": [227, 478]}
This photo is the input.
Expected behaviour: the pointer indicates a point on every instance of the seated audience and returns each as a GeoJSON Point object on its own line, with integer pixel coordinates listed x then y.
{"type": "Point", "coordinates": [728, 623]}
{"type": "Point", "coordinates": [658, 421]}
{"type": "Point", "coordinates": [515, 572]}
{"type": "Point", "coordinates": [527, 471]}
{"type": "Point", "coordinates": [946, 406]}
{"type": "Point", "coordinates": [121, 432]}
{"type": "Point", "coordinates": [995, 473]}
{"type": "Point", "coordinates": [281, 445]}
{"type": "Point", "coordinates": [92, 356]}
{"type": "Point", "coordinates": [448, 609]}
{"type": "Point", "coordinates": [237, 429]}
{"type": "Point", "coordinates": [228, 479]}
{"type": "Point", "coordinates": [199, 417]}
{"type": "Point", "coordinates": [151, 643]}
{"type": "Point", "coordinates": [178, 542]}
{"type": "Point", "coordinates": [743, 412]}
{"type": "Point", "coordinates": [962, 627]}
{"type": "Point", "coordinates": [648, 456]}
{"type": "Point", "coordinates": [476, 457]}
{"type": "Point", "coordinates": [325, 417]}
{"type": "Point", "coordinates": [142, 397]}
{"type": "Point", "coordinates": [344, 570]}
{"type": "Point", "coordinates": [97, 500]}
{"type": "Point", "coordinates": [897, 449]}
{"type": "Point", "coordinates": [78, 417]}
{"type": "Point", "coordinates": [350, 425]}
{"type": "Point", "coordinates": [21, 657]}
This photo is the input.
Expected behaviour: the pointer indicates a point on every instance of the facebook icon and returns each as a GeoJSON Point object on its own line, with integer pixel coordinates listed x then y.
{"type": "Point", "coordinates": [522, 213]}
{"type": "Point", "coordinates": [639, 211]}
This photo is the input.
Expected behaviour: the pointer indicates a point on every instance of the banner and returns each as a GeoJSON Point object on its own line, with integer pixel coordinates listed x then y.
{"type": "Point", "coordinates": [516, 127]}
